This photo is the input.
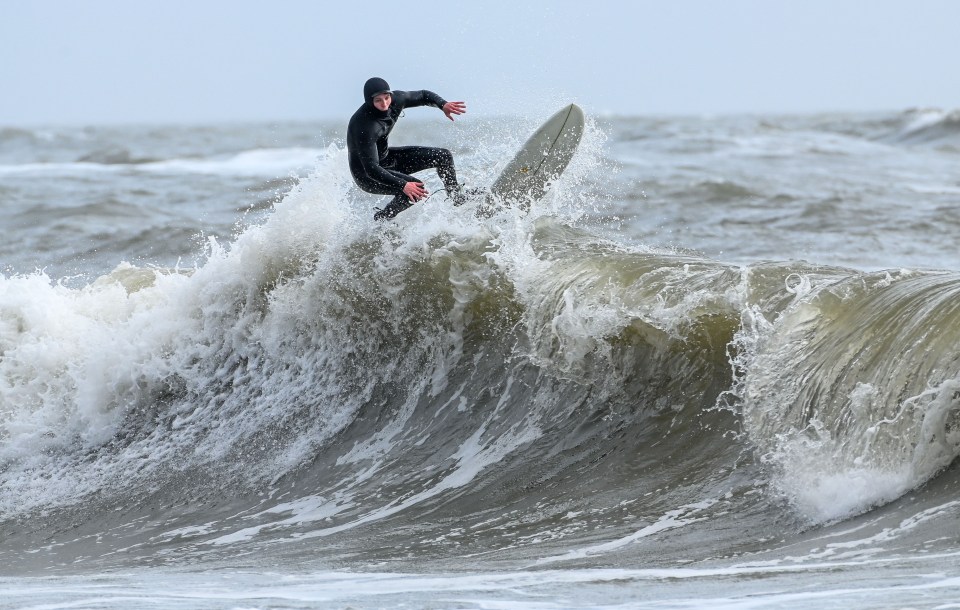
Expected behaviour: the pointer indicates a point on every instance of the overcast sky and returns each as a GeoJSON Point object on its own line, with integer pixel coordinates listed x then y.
{"type": "Point", "coordinates": [96, 61]}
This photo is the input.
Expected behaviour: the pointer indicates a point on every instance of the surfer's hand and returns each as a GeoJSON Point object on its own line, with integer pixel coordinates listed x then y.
{"type": "Point", "coordinates": [415, 191]}
{"type": "Point", "coordinates": [452, 108]}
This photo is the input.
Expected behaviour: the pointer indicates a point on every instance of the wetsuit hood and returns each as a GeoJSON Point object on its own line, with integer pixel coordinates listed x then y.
{"type": "Point", "coordinates": [372, 87]}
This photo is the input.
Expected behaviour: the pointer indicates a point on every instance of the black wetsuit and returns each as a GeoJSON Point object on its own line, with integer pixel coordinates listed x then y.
{"type": "Point", "coordinates": [382, 170]}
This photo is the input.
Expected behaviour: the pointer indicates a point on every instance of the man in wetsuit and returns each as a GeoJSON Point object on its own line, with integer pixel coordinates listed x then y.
{"type": "Point", "coordinates": [382, 170]}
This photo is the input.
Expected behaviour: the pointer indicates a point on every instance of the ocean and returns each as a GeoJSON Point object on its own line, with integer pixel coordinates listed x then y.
{"type": "Point", "coordinates": [717, 366]}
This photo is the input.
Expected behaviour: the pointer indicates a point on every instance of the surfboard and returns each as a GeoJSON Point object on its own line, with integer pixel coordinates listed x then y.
{"type": "Point", "coordinates": [540, 161]}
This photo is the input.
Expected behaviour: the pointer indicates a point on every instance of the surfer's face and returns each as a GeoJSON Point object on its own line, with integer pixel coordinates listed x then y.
{"type": "Point", "coordinates": [382, 101]}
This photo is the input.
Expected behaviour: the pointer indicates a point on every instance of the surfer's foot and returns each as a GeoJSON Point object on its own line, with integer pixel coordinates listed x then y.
{"type": "Point", "coordinates": [464, 194]}
{"type": "Point", "coordinates": [392, 209]}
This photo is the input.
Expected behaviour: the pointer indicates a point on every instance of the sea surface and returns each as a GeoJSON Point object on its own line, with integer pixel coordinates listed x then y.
{"type": "Point", "coordinates": [718, 366]}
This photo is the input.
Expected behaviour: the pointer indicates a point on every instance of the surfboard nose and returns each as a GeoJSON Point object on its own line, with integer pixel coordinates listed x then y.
{"type": "Point", "coordinates": [541, 159]}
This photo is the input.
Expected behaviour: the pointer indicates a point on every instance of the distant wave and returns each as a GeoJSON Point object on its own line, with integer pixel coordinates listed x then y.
{"type": "Point", "coordinates": [259, 162]}
{"type": "Point", "coordinates": [9, 134]}
{"type": "Point", "coordinates": [928, 126]}
{"type": "Point", "coordinates": [114, 156]}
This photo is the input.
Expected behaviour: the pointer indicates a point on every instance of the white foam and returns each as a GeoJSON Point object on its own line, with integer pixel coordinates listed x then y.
{"type": "Point", "coordinates": [307, 509]}
{"type": "Point", "coordinates": [679, 517]}
{"type": "Point", "coordinates": [827, 484]}
{"type": "Point", "coordinates": [77, 360]}
{"type": "Point", "coordinates": [829, 497]}
{"type": "Point", "coordinates": [847, 584]}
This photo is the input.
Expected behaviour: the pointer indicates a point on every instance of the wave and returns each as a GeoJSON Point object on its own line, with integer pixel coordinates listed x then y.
{"type": "Point", "coordinates": [519, 377]}
{"type": "Point", "coordinates": [15, 134]}
{"type": "Point", "coordinates": [854, 392]}
{"type": "Point", "coordinates": [721, 191]}
{"type": "Point", "coordinates": [927, 126]}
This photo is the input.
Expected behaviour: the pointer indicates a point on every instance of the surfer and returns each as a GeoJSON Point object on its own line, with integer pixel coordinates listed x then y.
{"type": "Point", "coordinates": [382, 170]}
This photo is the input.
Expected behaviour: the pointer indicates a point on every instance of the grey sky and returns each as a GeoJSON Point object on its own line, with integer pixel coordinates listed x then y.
{"type": "Point", "coordinates": [64, 61]}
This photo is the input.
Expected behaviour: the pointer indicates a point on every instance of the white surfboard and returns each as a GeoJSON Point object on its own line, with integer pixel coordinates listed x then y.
{"type": "Point", "coordinates": [540, 161]}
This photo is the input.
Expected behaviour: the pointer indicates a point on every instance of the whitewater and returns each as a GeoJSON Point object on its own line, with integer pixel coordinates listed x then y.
{"type": "Point", "coordinates": [718, 365]}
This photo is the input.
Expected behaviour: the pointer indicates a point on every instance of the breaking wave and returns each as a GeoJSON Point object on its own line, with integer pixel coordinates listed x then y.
{"type": "Point", "coordinates": [519, 379]}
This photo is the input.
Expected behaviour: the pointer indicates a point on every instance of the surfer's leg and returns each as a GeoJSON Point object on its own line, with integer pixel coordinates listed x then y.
{"type": "Point", "coordinates": [369, 185]}
{"type": "Point", "coordinates": [396, 205]}
{"type": "Point", "coordinates": [400, 201]}
{"type": "Point", "coordinates": [412, 159]}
